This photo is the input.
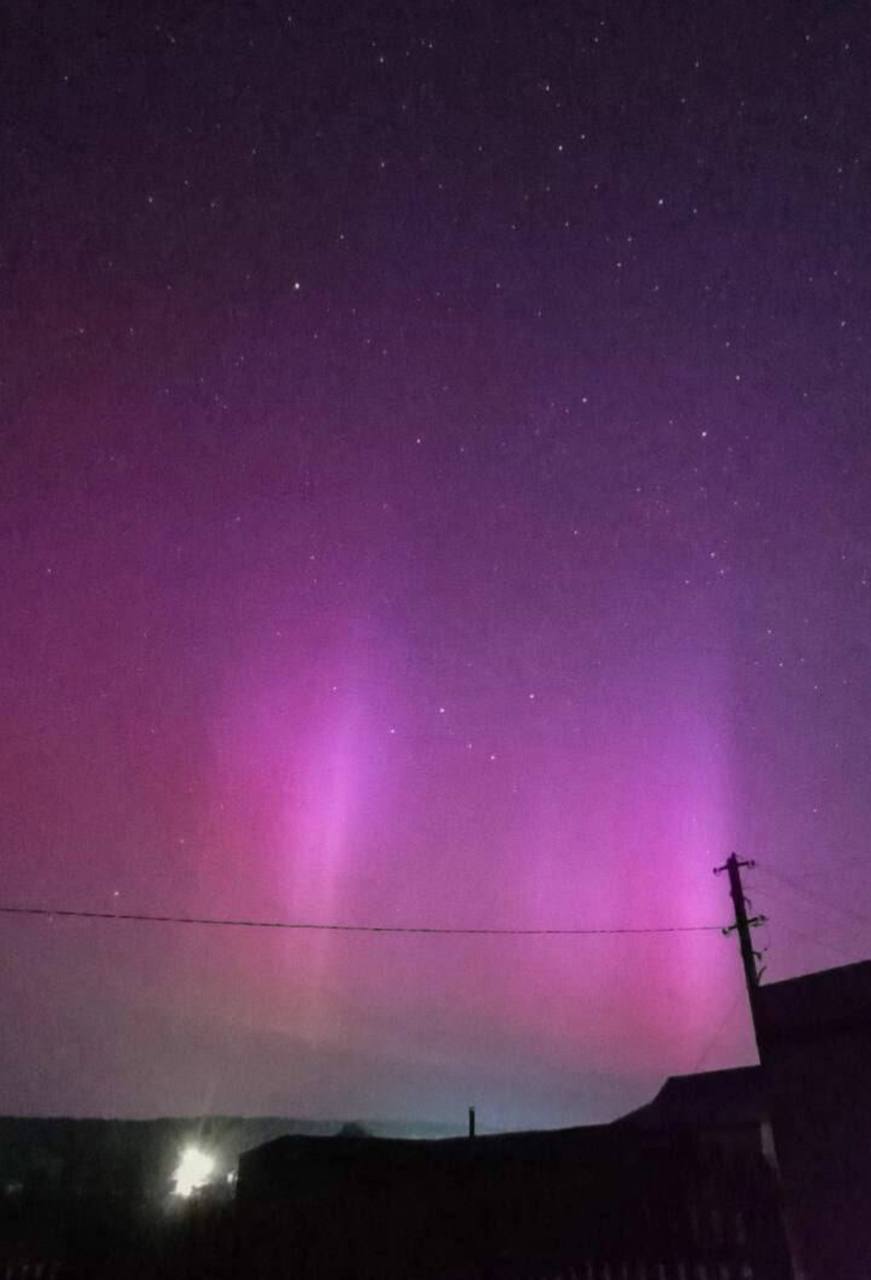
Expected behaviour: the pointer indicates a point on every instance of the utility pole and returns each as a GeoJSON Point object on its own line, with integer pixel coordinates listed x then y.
{"type": "Point", "coordinates": [743, 924]}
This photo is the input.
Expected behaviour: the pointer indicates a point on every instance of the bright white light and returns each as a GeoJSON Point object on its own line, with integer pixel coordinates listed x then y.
{"type": "Point", "coordinates": [195, 1168]}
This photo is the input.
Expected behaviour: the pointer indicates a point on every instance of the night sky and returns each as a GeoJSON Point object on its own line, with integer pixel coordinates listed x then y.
{"type": "Point", "coordinates": [436, 490]}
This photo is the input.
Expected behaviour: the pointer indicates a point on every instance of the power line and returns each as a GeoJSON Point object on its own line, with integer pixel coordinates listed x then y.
{"type": "Point", "coordinates": [306, 926]}
{"type": "Point", "coordinates": [815, 940]}
{"type": "Point", "coordinates": [817, 899]}
{"type": "Point", "coordinates": [740, 996]}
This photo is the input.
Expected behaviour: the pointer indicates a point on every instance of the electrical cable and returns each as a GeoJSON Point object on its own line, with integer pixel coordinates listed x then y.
{"type": "Point", "coordinates": [812, 897]}
{"type": "Point", "coordinates": [308, 926]}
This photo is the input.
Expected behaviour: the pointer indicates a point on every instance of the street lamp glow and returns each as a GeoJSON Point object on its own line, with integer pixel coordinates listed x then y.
{"type": "Point", "coordinates": [195, 1168]}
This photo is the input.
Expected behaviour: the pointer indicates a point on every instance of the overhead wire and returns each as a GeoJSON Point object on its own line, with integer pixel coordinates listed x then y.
{"type": "Point", "coordinates": [790, 905]}
{"type": "Point", "coordinates": [739, 996]}
{"type": "Point", "coordinates": [816, 899]}
{"type": "Point", "coordinates": [69, 913]}
{"type": "Point", "coordinates": [803, 936]}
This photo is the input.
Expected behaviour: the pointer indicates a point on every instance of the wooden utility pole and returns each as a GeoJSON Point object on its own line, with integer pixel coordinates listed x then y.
{"type": "Point", "coordinates": [743, 924]}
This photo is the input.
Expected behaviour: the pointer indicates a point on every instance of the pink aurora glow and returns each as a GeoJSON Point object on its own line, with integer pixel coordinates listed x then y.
{"type": "Point", "coordinates": [508, 571]}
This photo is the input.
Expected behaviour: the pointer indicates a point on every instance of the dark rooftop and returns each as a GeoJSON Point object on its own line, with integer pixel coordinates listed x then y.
{"type": "Point", "coordinates": [817, 1003]}
{"type": "Point", "coordinates": [709, 1099]}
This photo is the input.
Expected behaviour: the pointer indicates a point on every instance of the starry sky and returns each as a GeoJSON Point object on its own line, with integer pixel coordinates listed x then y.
{"type": "Point", "coordinates": [436, 490]}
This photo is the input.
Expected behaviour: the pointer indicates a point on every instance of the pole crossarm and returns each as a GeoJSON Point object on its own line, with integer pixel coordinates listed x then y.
{"type": "Point", "coordinates": [743, 923]}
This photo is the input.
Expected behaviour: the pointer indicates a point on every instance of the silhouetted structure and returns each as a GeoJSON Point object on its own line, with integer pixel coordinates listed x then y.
{"type": "Point", "coordinates": [88, 1198]}
{"type": "Point", "coordinates": [727, 1108]}
{"type": "Point", "coordinates": [509, 1205]}
{"type": "Point", "coordinates": [814, 1036]}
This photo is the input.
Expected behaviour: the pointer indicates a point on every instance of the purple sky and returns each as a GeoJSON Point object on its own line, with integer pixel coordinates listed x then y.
{"type": "Point", "coordinates": [436, 490]}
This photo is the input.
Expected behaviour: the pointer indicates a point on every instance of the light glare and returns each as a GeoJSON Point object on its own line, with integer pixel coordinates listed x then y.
{"type": "Point", "coordinates": [195, 1168]}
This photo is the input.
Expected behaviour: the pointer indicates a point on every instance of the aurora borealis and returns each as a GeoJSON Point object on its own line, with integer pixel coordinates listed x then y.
{"type": "Point", "coordinates": [436, 490]}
